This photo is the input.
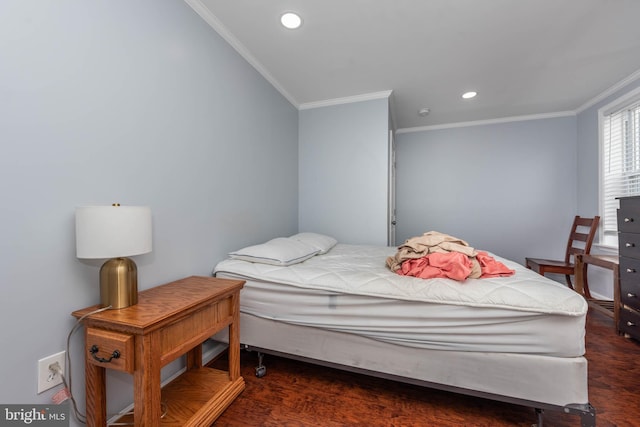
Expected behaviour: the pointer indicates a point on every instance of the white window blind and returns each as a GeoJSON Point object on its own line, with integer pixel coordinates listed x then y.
{"type": "Point", "coordinates": [621, 162]}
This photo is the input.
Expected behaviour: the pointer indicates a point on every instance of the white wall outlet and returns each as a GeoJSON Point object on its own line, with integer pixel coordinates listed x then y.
{"type": "Point", "coordinates": [47, 376]}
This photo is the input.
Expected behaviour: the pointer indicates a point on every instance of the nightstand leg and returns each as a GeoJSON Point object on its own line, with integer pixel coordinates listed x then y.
{"type": "Point", "coordinates": [96, 399]}
{"type": "Point", "coordinates": [146, 382]}
{"type": "Point", "coordinates": [234, 340]}
{"type": "Point", "coordinates": [194, 358]}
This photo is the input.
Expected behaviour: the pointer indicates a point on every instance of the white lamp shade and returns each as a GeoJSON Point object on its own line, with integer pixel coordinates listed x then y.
{"type": "Point", "coordinates": [112, 231]}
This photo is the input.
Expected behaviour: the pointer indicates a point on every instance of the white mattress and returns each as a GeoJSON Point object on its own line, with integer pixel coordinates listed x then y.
{"type": "Point", "coordinates": [350, 290]}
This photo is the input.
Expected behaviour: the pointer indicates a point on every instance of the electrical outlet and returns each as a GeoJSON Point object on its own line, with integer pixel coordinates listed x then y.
{"type": "Point", "coordinates": [48, 377]}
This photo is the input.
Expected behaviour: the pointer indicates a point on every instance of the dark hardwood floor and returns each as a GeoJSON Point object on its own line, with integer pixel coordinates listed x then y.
{"type": "Point", "coordinates": [299, 394]}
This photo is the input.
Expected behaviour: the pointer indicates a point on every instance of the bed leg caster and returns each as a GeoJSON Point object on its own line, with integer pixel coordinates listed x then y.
{"type": "Point", "coordinates": [539, 415]}
{"type": "Point", "coordinates": [261, 370]}
{"type": "Point", "coordinates": [586, 411]}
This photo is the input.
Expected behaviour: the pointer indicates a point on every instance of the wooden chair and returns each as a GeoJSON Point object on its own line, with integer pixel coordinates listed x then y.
{"type": "Point", "coordinates": [580, 239]}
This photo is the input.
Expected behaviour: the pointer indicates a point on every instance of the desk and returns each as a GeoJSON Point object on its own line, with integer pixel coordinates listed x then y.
{"type": "Point", "coordinates": [168, 321]}
{"type": "Point", "coordinates": [610, 262]}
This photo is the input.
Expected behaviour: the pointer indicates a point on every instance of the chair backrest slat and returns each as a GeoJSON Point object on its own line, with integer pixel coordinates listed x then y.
{"type": "Point", "coordinates": [581, 237]}
{"type": "Point", "coordinates": [585, 238]}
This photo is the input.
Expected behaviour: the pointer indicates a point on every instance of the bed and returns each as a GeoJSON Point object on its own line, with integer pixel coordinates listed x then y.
{"type": "Point", "coordinates": [517, 339]}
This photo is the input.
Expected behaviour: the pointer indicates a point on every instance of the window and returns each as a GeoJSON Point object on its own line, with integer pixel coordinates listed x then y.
{"type": "Point", "coordinates": [620, 169]}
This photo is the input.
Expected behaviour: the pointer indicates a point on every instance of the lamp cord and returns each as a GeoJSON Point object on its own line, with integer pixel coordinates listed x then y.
{"type": "Point", "coordinates": [67, 381]}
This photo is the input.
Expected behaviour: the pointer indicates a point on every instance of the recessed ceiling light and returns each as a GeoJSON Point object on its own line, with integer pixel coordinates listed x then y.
{"type": "Point", "coordinates": [291, 20]}
{"type": "Point", "coordinates": [469, 95]}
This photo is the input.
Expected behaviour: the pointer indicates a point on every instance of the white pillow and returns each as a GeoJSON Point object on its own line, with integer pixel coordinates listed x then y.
{"type": "Point", "coordinates": [279, 251]}
{"type": "Point", "coordinates": [319, 241]}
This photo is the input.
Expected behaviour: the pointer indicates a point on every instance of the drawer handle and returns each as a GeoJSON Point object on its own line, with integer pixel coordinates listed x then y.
{"type": "Point", "coordinates": [631, 270]}
{"type": "Point", "coordinates": [94, 350]}
{"type": "Point", "coordinates": [631, 324]}
{"type": "Point", "coordinates": [628, 220]}
{"type": "Point", "coordinates": [630, 245]}
{"type": "Point", "coordinates": [631, 295]}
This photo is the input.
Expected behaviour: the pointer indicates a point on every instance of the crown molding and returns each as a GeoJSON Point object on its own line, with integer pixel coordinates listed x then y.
{"type": "Point", "coordinates": [489, 122]}
{"type": "Point", "coordinates": [219, 28]}
{"type": "Point", "coordinates": [613, 89]}
{"type": "Point", "coordinates": [346, 100]}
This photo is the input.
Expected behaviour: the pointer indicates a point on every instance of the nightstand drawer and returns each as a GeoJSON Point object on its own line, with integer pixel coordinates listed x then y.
{"type": "Point", "coordinates": [111, 350]}
{"type": "Point", "coordinates": [630, 322]}
{"type": "Point", "coordinates": [629, 245]}
{"type": "Point", "coordinates": [629, 215]}
{"type": "Point", "coordinates": [629, 270]}
{"type": "Point", "coordinates": [630, 293]}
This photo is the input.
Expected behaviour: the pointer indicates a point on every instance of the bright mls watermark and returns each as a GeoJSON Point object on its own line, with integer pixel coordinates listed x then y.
{"type": "Point", "coordinates": [34, 415]}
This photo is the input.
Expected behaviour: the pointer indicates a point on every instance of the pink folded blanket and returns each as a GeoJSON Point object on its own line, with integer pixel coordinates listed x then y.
{"type": "Point", "coordinates": [453, 265]}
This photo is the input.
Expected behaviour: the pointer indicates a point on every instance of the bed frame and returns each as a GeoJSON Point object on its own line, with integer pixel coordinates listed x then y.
{"type": "Point", "coordinates": [539, 382]}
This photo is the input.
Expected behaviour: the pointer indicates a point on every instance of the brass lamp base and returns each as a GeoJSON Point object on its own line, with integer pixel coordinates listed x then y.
{"type": "Point", "coordinates": [119, 283]}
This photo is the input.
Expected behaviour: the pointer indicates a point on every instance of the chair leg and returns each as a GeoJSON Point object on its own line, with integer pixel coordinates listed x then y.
{"type": "Point", "coordinates": [585, 290]}
{"type": "Point", "coordinates": [568, 277]}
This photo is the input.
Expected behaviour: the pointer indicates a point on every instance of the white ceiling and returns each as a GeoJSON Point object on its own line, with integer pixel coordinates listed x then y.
{"type": "Point", "coordinates": [523, 57]}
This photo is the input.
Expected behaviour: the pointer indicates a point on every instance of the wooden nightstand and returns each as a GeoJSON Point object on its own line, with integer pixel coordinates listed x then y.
{"type": "Point", "coordinates": [168, 321]}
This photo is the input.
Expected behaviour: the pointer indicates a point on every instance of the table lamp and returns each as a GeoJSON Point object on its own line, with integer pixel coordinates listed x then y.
{"type": "Point", "coordinates": [115, 232]}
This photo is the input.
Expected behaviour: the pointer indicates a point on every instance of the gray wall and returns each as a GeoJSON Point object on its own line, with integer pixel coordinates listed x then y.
{"type": "Point", "coordinates": [343, 169]}
{"type": "Point", "coordinates": [508, 188]}
{"type": "Point", "coordinates": [136, 102]}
